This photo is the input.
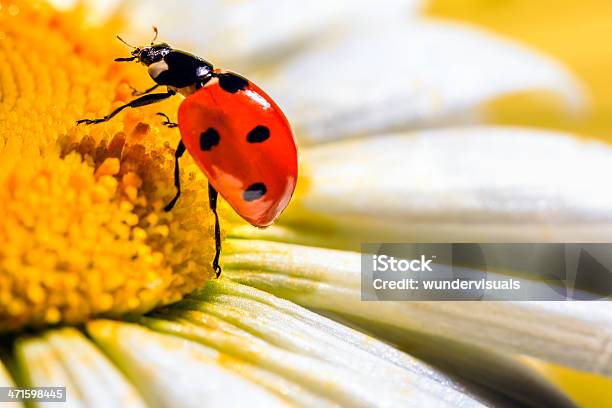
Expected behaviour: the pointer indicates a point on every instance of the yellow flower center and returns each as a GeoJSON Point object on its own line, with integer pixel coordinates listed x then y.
{"type": "Point", "coordinates": [83, 232]}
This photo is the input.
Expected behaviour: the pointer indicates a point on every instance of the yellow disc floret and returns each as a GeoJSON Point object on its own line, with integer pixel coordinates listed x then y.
{"type": "Point", "coordinates": [82, 227]}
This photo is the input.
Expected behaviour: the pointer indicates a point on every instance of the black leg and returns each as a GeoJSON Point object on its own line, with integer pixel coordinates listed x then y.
{"type": "Point", "coordinates": [128, 59]}
{"type": "Point", "coordinates": [180, 150]}
{"type": "Point", "coordinates": [142, 101]}
{"type": "Point", "coordinates": [136, 92]}
{"type": "Point", "coordinates": [212, 200]}
{"type": "Point", "coordinates": [167, 121]}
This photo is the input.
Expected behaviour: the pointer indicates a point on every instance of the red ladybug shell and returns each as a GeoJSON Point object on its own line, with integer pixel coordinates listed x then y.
{"type": "Point", "coordinates": [244, 144]}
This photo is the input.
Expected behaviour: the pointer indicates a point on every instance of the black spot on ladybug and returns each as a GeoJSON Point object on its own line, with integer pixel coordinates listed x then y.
{"type": "Point", "coordinates": [258, 134]}
{"type": "Point", "coordinates": [232, 83]}
{"type": "Point", "coordinates": [208, 139]}
{"type": "Point", "coordinates": [254, 192]}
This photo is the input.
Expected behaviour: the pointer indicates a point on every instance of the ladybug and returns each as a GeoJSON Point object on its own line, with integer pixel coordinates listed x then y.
{"type": "Point", "coordinates": [234, 131]}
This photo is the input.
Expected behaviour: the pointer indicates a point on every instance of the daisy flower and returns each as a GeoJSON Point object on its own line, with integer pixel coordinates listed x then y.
{"type": "Point", "coordinates": [103, 292]}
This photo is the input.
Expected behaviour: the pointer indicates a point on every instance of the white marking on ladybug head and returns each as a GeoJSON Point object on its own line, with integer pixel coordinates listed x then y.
{"type": "Point", "coordinates": [157, 68]}
{"type": "Point", "coordinates": [202, 71]}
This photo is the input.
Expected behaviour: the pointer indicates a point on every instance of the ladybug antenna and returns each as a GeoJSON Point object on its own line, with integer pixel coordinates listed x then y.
{"type": "Point", "coordinates": [135, 52]}
{"type": "Point", "coordinates": [123, 41]}
{"type": "Point", "coordinates": [155, 36]}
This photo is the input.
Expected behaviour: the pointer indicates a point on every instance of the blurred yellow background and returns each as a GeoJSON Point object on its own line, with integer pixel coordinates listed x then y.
{"type": "Point", "coordinates": [575, 32]}
{"type": "Point", "coordinates": [579, 34]}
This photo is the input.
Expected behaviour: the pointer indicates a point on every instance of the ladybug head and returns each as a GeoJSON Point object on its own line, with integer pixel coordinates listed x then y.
{"type": "Point", "coordinates": [149, 54]}
{"type": "Point", "coordinates": [152, 53]}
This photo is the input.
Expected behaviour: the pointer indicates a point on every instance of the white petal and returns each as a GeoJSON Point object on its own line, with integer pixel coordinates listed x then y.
{"type": "Point", "coordinates": [170, 371]}
{"type": "Point", "coordinates": [98, 381]}
{"type": "Point", "coordinates": [43, 367]}
{"type": "Point", "coordinates": [461, 185]}
{"type": "Point", "coordinates": [7, 381]}
{"type": "Point", "coordinates": [184, 322]}
{"type": "Point", "coordinates": [247, 32]}
{"type": "Point", "coordinates": [407, 74]}
{"type": "Point", "coordinates": [461, 335]}
{"type": "Point", "coordinates": [349, 387]}
{"type": "Point", "coordinates": [325, 357]}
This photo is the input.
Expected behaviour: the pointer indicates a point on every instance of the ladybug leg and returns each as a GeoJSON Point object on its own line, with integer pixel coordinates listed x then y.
{"type": "Point", "coordinates": [136, 92]}
{"type": "Point", "coordinates": [167, 121]}
{"type": "Point", "coordinates": [180, 150]}
{"type": "Point", "coordinates": [142, 101]}
{"type": "Point", "coordinates": [212, 201]}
